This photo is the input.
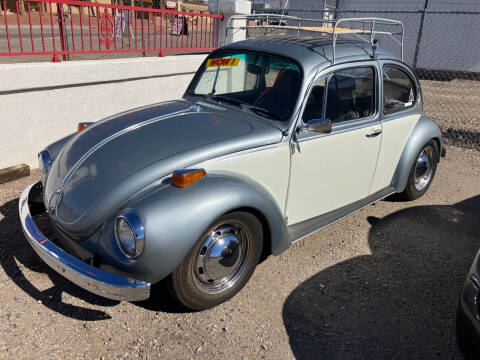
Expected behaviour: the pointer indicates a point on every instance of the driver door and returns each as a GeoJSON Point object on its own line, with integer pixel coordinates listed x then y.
{"type": "Point", "coordinates": [329, 171]}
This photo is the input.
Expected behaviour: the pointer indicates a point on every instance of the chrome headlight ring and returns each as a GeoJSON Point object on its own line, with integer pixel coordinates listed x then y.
{"type": "Point", "coordinates": [130, 234]}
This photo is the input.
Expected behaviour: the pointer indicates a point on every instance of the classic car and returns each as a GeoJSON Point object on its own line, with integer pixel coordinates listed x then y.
{"type": "Point", "coordinates": [468, 313]}
{"type": "Point", "coordinates": [275, 138]}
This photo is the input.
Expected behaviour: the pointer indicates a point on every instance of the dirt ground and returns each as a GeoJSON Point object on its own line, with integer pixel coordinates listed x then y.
{"type": "Point", "coordinates": [453, 104]}
{"type": "Point", "coordinates": [382, 283]}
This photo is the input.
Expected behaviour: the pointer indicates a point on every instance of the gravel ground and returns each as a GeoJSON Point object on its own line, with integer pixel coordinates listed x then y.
{"type": "Point", "coordinates": [382, 283]}
{"type": "Point", "coordinates": [454, 107]}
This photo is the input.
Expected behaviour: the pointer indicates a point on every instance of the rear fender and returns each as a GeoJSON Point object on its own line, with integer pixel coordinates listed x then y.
{"type": "Point", "coordinates": [424, 131]}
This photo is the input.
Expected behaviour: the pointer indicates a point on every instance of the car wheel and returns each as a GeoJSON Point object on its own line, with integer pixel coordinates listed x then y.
{"type": "Point", "coordinates": [220, 263]}
{"type": "Point", "coordinates": [422, 172]}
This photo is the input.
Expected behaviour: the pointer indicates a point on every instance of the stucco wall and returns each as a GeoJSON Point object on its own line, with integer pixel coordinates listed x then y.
{"type": "Point", "coordinates": [42, 102]}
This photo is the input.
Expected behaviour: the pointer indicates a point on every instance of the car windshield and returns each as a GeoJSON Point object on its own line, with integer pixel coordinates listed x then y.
{"type": "Point", "coordinates": [265, 84]}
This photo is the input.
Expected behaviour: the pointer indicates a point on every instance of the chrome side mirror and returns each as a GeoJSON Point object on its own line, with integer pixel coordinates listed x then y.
{"type": "Point", "coordinates": [320, 126]}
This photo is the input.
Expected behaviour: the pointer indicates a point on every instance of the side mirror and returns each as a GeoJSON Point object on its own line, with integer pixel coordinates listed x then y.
{"type": "Point", "coordinates": [320, 126]}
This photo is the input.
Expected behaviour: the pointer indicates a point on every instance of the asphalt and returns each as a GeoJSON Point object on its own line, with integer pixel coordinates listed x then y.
{"type": "Point", "coordinates": [382, 283]}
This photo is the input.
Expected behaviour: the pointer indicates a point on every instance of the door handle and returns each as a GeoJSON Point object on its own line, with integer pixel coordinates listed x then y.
{"type": "Point", "coordinates": [374, 133]}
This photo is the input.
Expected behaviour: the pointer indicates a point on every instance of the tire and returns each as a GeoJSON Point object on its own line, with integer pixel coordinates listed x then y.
{"type": "Point", "coordinates": [417, 185]}
{"type": "Point", "coordinates": [202, 281]}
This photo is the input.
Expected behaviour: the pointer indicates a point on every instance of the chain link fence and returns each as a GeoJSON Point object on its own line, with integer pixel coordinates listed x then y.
{"type": "Point", "coordinates": [444, 49]}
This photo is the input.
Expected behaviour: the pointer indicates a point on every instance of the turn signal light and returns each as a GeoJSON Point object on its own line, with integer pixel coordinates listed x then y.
{"type": "Point", "coordinates": [83, 125]}
{"type": "Point", "coordinates": [185, 177]}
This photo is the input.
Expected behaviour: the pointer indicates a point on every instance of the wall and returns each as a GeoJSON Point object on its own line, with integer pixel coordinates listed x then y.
{"type": "Point", "coordinates": [42, 102]}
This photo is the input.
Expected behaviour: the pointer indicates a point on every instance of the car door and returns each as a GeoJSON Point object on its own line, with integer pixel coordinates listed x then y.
{"type": "Point", "coordinates": [332, 170]}
{"type": "Point", "coordinates": [400, 113]}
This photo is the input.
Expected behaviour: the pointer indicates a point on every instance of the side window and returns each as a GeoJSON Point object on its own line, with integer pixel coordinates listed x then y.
{"type": "Point", "coordinates": [351, 94]}
{"type": "Point", "coordinates": [399, 91]}
{"type": "Point", "coordinates": [314, 106]}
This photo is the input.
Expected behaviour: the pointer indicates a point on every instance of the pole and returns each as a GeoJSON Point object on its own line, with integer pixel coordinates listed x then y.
{"type": "Point", "coordinates": [62, 30]}
{"type": "Point", "coordinates": [143, 15]}
{"type": "Point", "coordinates": [420, 34]}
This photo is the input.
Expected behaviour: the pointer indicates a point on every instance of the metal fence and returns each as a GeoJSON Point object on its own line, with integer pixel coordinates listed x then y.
{"type": "Point", "coordinates": [444, 49]}
{"type": "Point", "coordinates": [63, 27]}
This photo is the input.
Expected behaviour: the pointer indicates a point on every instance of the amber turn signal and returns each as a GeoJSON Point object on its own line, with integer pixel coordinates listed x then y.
{"type": "Point", "coordinates": [83, 125]}
{"type": "Point", "coordinates": [185, 177]}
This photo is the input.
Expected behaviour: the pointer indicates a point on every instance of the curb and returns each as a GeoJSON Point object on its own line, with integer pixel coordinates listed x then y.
{"type": "Point", "coordinates": [13, 173]}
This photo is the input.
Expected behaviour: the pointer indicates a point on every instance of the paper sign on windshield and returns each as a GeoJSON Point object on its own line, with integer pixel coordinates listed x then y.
{"type": "Point", "coordinates": [223, 62]}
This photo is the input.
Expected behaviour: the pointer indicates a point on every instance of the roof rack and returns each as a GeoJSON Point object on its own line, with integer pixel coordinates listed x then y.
{"type": "Point", "coordinates": [365, 28]}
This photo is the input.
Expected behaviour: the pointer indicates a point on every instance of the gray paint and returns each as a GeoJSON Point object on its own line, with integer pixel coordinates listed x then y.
{"type": "Point", "coordinates": [424, 131]}
{"type": "Point", "coordinates": [106, 164]}
{"type": "Point", "coordinates": [311, 53]}
{"type": "Point", "coordinates": [119, 163]}
{"type": "Point", "coordinates": [55, 148]}
{"type": "Point", "coordinates": [174, 218]}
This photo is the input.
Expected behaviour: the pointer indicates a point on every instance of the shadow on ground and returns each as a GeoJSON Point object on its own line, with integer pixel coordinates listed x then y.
{"type": "Point", "coordinates": [399, 302]}
{"type": "Point", "coordinates": [15, 250]}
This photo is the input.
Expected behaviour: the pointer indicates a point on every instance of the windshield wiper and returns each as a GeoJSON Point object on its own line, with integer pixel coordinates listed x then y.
{"type": "Point", "coordinates": [242, 104]}
{"type": "Point", "coordinates": [227, 100]}
{"type": "Point", "coordinates": [265, 112]}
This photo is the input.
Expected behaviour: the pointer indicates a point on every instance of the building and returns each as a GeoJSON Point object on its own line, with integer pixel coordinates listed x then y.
{"type": "Point", "coordinates": [447, 40]}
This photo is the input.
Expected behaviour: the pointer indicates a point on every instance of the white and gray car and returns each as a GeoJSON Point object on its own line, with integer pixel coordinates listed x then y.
{"type": "Point", "coordinates": [275, 138]}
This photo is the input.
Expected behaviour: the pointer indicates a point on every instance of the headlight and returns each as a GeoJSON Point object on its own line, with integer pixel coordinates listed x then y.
{"type": "Point", "coordinates": [130, 234]}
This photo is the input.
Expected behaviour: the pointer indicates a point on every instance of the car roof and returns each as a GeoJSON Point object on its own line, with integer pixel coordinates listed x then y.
{"type": "Point", "coordinates": [310, 52]}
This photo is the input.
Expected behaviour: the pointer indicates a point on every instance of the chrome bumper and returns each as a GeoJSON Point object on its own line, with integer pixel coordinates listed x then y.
{"type": "Point", "coordinates": [90, 278]}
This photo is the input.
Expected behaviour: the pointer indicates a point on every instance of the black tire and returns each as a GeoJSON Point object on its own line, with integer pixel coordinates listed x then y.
{"type": "Point", "coordinates": [412, 192]}
{"type": "Point", "coordinates": [190, 289]}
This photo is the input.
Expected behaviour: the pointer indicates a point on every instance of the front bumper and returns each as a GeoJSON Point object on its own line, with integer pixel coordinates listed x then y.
{"type": "Point", "coordinates": [90, 278]}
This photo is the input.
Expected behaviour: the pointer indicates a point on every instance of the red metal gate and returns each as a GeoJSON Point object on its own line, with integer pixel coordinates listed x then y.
{"type": "Point", "coordinates": [62, 27]}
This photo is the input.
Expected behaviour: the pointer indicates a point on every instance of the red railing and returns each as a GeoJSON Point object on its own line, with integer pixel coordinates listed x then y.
{"type": "Point", "coordinates": [63, 27]}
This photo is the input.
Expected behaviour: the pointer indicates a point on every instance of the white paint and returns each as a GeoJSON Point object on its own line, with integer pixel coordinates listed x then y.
{"type": "Point", "coordinates": [269, 168]}
{"type": "Point", "coordinates": [330, 172]}
{"type": "Point", "coordinates": [53, 98]}
{"type": "Point", "coordinates": [228, 8]}
{"type": "Point", "coordinates": [394, 138]}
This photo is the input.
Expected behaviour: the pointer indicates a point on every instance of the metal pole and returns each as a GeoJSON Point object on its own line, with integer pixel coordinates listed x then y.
{"type": "Point", "coordinates": [143, 14]}
{"type": "Point", "coordinates": [217, 23]}
{"type": "Point", "coordinates": [420, 33]}
{"type": "Point", "coordinates": [63, 31]}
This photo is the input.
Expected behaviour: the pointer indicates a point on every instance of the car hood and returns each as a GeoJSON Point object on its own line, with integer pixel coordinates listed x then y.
{"type": "Point", "coordinates": [103, 166]}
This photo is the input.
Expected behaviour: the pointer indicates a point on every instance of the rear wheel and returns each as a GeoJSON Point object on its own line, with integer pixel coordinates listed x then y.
{"type": "Point", "coordinates": [422, 172]}
{"type": "Point", "coordinates": [220, 263]}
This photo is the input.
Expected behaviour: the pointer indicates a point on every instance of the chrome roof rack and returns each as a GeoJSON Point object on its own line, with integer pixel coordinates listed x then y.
{"type": "Point", "coordinates": [365, 28]}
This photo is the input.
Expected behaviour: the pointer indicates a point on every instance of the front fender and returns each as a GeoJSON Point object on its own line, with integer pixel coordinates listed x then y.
{"type": "Point", "coordinates": [424, 131]}
{"type": "Point", "coordinates": [174, 218]}
{"type": "Point", "coordinates": [55, 148]}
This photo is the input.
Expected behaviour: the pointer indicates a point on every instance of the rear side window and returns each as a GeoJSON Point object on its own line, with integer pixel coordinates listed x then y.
{"type": "Point", "coordinates": [351, 94]}
{"type": "Point", "coordinates": [399, 91]}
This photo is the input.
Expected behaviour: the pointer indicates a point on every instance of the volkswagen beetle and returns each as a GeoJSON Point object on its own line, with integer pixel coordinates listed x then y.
{"type": "Point", "coordinates": [272, 141]}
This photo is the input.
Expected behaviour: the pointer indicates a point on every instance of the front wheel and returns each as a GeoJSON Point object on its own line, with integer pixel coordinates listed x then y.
{"type": "Point", "coordinates": [220, 263]}
{"type": "Point", "coordinates": [422, 172]}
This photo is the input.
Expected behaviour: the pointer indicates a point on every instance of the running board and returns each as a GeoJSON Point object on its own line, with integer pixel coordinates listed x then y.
{"type": "Point", "coordinates": [300, 230]}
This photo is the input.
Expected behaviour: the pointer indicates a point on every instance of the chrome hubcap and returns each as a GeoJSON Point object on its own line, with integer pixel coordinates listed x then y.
{"type": "Point", "coordinates": [423, 169]}
{"type": "Point", "coordinates": [222, 258]}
